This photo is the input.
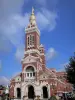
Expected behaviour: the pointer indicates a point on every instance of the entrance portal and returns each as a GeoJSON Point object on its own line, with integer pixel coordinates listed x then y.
{"type": "Point", "coordinates": [18, 93]}
{"type": "Point", "coordinates": [31, 93]}
{"type": "Point", "coordinates": [45, 92]}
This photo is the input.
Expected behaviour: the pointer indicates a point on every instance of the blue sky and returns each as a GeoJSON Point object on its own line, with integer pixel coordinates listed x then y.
{"type": "Point", "coordinates": [56, 21]}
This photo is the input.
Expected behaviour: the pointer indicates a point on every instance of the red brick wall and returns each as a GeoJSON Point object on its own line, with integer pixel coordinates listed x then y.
{"type": "Point", "coordinates": [1, 92]}
{"type": "Point", "coordinates": [11, 89]}
{"type": "Point", "coordinates": [36, 40]}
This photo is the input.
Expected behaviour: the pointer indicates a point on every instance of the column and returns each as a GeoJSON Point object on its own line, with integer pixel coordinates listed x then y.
{"type": "Point", "coordinates": [49, 91]}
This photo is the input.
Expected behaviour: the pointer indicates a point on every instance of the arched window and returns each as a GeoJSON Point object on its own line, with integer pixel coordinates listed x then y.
{"type": "Point", "coordinates": [33, 39]}
{"type": "Point", "coordinates": [30, 72]}
{"type": "Point", "coordinates": [29, 69]}
{"type": "Point", "coordinates": [28, 41]}
{"type": "Point", "coordinates": [18, 93]}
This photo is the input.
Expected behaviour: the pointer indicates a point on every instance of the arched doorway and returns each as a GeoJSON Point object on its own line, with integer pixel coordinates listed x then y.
{"type": "Point", "coordinates": [18, 93]}
{"type": "Point", "coordinates": [31, 93]}
{"type": "Point", "coordinates": [45, 92]}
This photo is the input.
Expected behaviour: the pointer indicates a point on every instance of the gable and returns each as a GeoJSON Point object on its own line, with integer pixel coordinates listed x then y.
{"type": "Point", "coordinates": [46, 75]}
{"type": "Point", "coordinates": [29, 59]}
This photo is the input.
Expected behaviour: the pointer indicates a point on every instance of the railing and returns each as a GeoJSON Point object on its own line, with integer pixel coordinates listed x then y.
{"type": "Point", "coordinates": [26, 99]}
{"type": "Point", "coordinates": [1, 98]}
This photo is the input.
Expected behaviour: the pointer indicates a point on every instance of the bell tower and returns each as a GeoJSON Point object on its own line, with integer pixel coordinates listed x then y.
{"type": "Point", "coordinates": [34, 52]}
{"type": "Point", "coordinates": [32, 33]}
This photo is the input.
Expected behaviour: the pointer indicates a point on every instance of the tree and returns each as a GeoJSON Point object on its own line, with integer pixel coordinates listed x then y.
{"type": "Point", "coordinates": [2, 87]}
{"type": "Point", "coordinates": [70, 70]}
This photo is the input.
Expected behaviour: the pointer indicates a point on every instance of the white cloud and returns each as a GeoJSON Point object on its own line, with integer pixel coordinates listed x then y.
{"type": "Point", "coordinates": [61, 69]}
{"type": "Point", "coordinates": [10, 7]}
{"type": "Point", "coordinates": [51, 53]}
{"type": "Point", "coordinates": [4, 80]}
{"type": "Point", "coordinates": [0, 64]}
{"type": "Point", "coordinates": [42, 21]}
{"type": "Point", "coordinates": [4, 44]}
{"type": "Point", "coordinates": [42, 2]}
{"type": "Point", "coordinates": [64, 65]}
{"type": "Point", "coordinates": [15, 74]}
{"type": "Point", "coordinates": [12, 28]}
{"type": "Point", "coordinates": [50, 4]}
{"type": "Point", "coordinates": [12, 24]}
{"type": "Point", "coordinates": [19, 53]}
{"type": "Point", "coordinates": [46, 19]}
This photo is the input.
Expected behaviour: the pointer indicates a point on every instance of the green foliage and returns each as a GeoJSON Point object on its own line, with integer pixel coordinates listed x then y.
{"type": "Point", "coordinates": [70, 70]}
{"type": "Point", "coordinates": [53, 98]}
{"type": "Point", "coordinates": [2, 87]}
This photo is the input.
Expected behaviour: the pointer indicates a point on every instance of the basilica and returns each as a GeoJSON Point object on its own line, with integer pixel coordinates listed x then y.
{"type": "Point", "coordinates": [35, 79]}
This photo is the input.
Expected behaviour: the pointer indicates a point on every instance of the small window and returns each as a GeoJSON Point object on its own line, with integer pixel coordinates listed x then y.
{"type": "Point", "coordinates": [27, 74]}
{"type": "Point", "coordinates": [40, 50]}
{"type": "Point", "coordinates": [43, 76]}
{"type": "Point", "coordinates": [33, 74]}
{"type": "Point", "coordinates": [30, 74]}
{"type": "Point", "coordinates": [28, 40]}
{"type": "Point", "coordinates": [33, 39]}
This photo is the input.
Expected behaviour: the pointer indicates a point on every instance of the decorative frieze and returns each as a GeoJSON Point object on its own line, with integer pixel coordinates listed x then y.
{"type": "Point", "coordinates": [32, 29]}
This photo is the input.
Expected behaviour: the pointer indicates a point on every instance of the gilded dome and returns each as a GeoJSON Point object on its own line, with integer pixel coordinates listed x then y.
{"type": "Point", "coordinates": [32, 18]}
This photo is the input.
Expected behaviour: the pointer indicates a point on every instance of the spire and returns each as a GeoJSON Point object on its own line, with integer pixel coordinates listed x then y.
{"type": "Point", "coordinates": [32, 19]}
{"type": "Point", "coordinates": [32, 10]}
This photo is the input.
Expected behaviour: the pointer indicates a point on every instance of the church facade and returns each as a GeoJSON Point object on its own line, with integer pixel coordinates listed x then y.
{"type": "Point", "coordinates": [36, 79]}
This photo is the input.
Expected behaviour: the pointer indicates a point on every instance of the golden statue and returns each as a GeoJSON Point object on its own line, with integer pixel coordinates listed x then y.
{"type": "Point", "coordinates": [32, 10]}
{"type": "Point", "coordinates": [32, 18]}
